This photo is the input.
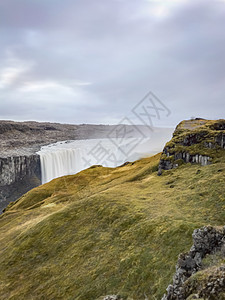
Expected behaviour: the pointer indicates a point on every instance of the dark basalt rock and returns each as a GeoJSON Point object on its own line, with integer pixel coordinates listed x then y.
{"type": "Point", "coordinates": [204, 135]}
{"type": "Point", "coordinates": [206, 240]}
{"type": "Point", "coordinates": [18, 175]}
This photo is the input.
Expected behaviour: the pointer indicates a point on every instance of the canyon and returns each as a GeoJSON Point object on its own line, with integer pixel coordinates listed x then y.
{"type": "Point", "coordinates": [21, 142]}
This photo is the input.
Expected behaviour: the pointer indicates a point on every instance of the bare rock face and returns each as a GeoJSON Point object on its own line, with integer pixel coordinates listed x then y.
{"type": "Point", "coordinates": [18, 174]}
{"type": "Point", "coordinates": [15, 168]}
{"type": "Point", "coordinates": [194, 141]}
{"type": "Point", "coordinates": [206, 240]}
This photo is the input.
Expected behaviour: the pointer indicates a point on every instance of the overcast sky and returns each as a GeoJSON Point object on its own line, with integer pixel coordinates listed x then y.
{"type": "Point", "coordinates": [93, 61]}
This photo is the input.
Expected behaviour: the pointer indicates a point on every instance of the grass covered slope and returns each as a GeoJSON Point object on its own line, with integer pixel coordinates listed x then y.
{"type": "Point", "coordinates": [107, 231]}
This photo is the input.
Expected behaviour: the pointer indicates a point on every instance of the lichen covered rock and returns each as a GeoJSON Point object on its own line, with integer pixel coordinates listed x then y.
{"type": "Point", "coordinates": [206, 240]}
{"type": "Point", "coordinates": [194, 141]}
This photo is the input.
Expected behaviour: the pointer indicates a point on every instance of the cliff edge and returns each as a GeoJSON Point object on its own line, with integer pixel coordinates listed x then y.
{"type": "Point", "coordinates": [194, 141]}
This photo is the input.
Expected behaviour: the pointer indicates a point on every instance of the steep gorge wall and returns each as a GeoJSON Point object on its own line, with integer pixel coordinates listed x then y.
{"type": "Point", "coordinates": [18, 174]}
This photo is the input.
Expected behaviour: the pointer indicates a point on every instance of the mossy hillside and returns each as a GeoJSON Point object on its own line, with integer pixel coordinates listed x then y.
{"type": "Point", "coordinates": [107, 231]}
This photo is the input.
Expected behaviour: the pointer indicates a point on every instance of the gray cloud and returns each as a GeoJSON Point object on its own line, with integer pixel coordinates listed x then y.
{"type": "Point", "coordinates": [92, 61]}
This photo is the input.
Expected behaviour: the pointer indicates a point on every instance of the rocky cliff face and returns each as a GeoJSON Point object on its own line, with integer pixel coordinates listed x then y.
{"type": "Point", "coordinates": [194, 141]}
{"type": "Point", "coordinates": [14, 169]}
{"type": "Point", "coordinates": [211, 282]}
{"type": "Point", "coordinates": [18, 174]}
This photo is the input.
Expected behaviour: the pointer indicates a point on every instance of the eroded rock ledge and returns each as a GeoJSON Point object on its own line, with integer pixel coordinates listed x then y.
{"type": "Point", "coordinates": [206, 240]}
{"type": "Point", "coordinates": [194, 141]}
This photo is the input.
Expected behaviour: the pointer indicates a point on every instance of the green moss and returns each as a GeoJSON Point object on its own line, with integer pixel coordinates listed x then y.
{"type": "Point", "coordinates": [200, 282]}
{"type": "Point", "coordinates": [179, 162]}
{"type": "Point", "coordinates": [168, 158]}
{"type": "Point", "coordinates": [215, 259]}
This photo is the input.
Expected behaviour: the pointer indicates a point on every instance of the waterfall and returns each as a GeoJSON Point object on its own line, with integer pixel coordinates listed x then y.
{"type": "Point", "coordinates": [70, 157]}
{"type": "Point", "coordinates": [61, 162]}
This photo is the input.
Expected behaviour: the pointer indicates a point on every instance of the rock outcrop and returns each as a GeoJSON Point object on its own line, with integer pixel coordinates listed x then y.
{"type": "Point", "coordinates": [206, 240]}
{"type": "Point", "coordinates": [194, 141]}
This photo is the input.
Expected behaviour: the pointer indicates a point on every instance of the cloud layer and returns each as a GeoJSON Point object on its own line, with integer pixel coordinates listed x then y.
{"type": "Point", "coordinates": [89, 61]}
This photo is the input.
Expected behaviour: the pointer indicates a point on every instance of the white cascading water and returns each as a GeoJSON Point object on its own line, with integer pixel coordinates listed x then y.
{"type": "Point", "coordinates": [61, 162]}
{"type": "Point", "coordinates": [70, 157]}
